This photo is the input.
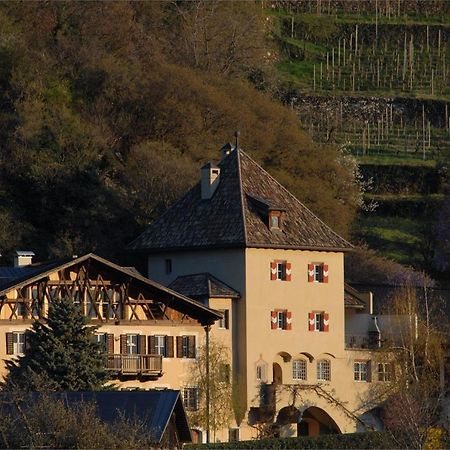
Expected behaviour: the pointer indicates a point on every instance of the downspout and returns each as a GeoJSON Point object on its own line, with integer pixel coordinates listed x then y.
{"type": "Point", "coordinates": [207, 330]}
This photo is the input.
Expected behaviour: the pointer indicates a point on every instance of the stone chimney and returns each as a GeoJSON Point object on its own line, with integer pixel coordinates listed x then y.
{"type": "Point", "coordinates": [210, 178]}
{"type": "Point", "coordinates": [23, 258]}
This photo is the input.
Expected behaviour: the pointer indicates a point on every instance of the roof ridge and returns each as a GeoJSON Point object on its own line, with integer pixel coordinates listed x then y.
{"type": "Point", "coordinates": [291, 195]}
{"type": "Point", "coordinates": [241, 195]}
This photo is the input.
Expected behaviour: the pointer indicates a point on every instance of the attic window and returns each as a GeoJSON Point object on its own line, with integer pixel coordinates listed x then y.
{"type": "Point", "coordinates": [275, 220]}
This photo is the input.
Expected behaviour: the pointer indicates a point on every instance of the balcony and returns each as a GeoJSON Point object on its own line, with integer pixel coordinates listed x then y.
{"type": "Point", "coordinates": [135, 365]}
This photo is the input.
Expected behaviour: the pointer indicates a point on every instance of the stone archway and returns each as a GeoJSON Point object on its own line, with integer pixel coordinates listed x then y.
{"type": "Point", "coordinates": [277, 374]}
{"type": "Point", "coordinates": [316, 421]}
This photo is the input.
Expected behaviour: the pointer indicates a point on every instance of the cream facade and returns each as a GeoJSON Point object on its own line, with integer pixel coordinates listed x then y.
{"type": "Point", "coordinates": [305, 347]}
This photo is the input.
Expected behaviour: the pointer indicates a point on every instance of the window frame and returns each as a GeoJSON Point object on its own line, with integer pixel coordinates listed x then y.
{"type": "Point", "coordinates": [323, 370]}
{"type": "Point", "coordinates": [130, 345]}
{"type": "Point", "coordinates": [224, 322]}
{"type": "Point", "coordinates": [386, 374]}
{"type": "Point", "coordinates": [299, 373]}
{"type": "Point", "coordinates": [361, 371]}
{"type": "Point", "coordinates": [191, 398]}
{"type": "Point", "coordinates": [281, 319]}
{"type": "Point", "coordinates": [319, 318]}
{"type": "Point", "coordinates": [160, 349]}
{"type": "Point", "coordinates": [281, 270]}
{"type": "Point", "coordinates": [261, 372]}
{"type": "Point", "coordinates": [318, 272]}
{"type": "Point", "coordinates": [17, 345]}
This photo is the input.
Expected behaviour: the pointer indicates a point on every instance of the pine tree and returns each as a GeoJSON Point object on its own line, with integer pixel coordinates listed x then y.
{"type": "Point", "coordinates": [60, 355]}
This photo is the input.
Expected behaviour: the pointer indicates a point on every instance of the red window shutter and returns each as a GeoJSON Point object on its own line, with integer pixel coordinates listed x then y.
{"type": "Point", "coordinates": [310, 273]}
{"type": "Point", "coordinates": [325, 273]}
{"type": "Point", "coordinates": [273, 270]}
{"type": "Point", "coordinates": [311, 321]}
{"type": "Point", "coordinates": [273, 320]}
{"type": "Point", "coordinates": [288, 320]}
{"type": "Point", "coordinates": [288, 271]}
{"type": "Point", "coordinates": [326, 322]}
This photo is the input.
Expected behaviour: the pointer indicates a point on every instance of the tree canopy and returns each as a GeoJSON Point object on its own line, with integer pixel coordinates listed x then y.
{"type": "Point", "coordinates": [60, 354]}
{"type": "Point", "coordinates": [108, 110]}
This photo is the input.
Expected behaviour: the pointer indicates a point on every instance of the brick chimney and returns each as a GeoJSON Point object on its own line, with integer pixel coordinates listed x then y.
{"type": "Point", "coordinates": [210, 178]}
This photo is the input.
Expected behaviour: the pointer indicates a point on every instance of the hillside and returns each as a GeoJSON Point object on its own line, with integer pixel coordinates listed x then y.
{"type": "Point", "coordinates": [374, 77]}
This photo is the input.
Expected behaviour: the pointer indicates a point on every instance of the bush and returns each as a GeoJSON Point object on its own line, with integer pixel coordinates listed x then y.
{"type": "Point", "coordinates": [369, 440]}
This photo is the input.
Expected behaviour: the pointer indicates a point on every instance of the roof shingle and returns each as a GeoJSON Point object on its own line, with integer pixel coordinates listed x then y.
{"type": "Point", "coordinates": [232, 219]}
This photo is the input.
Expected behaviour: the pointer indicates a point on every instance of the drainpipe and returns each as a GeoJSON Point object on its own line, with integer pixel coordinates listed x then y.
{"type": "Point", "coordinates": [207, 330]}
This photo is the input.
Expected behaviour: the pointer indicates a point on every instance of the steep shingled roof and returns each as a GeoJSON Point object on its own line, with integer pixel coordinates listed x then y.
{"type": "Point", "coordinates": [231, 218]}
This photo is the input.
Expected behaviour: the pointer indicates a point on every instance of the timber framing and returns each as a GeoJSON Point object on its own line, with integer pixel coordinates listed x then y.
{"type": "Point", "coordinates": [105, 291]}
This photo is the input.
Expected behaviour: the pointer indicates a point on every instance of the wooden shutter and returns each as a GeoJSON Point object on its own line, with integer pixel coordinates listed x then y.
{"type": "Point", "coordinates": [9, 343]}
{"type": "Point", "coordinates": [288, 271]}
{"type": "Point", "coordinates": [179, 346]}
{"type": "Point", "coordinates": [151, 345]}
{"type": "Point", "coordinates": [123, 344]}
{"type": "Point", "coordinates": [273, 320]}
{"type": "Point", "coordinates": [142, 344]}
{"type": "Point", "coordinates": [110, 343]}
{"type": "Point", "coordinates": [273, 270]}
{"type": "Point", "coordinates": [325, 273]}
{"type": "Point", "coordinates": [311, 321]}
{"type": "Point", "coordinates": [191, 344]}
{"type": "Point", "coordinates": [169, 346]}
{"type": "Point", "coordinates": [326, 322]}
{"type": "Point", "coordinates": [226, 318]}
{"type": "Point", "coordinates": [288, 320]}
{"type": "Point", "coordinates": [310, 273]}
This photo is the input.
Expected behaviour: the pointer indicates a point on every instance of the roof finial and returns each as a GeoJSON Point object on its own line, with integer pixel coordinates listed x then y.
{"type": "Point", "coordinates": [237, 133]}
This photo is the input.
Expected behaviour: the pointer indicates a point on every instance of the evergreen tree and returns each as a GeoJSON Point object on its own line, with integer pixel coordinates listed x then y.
{"type": "Point", "coordinates": [61, 354]}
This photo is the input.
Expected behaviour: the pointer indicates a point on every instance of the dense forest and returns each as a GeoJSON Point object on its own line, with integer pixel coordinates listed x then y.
{"type": "Point", "coordinates": [108, 110]}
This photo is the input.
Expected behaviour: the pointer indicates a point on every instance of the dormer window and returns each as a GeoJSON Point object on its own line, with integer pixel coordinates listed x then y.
{"type": "Point", "coordinates": [275, 220]}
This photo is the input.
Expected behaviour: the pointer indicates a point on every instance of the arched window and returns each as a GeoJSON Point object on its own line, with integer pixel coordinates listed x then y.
{"type": "Point", "coordinates": [323, 370]}
{"type": "Point", "coordinates": [299, 369]}
{"type": "Point", "coordinates": [261, 371]}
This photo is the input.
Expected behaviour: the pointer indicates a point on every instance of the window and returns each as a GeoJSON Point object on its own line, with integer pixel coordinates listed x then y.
{"type": "Point", "coordinates": [78, 298]}
{"type": "Point", "coordinates": [280, 270]}
{"type": "Point", "coordinates": [361, 371]}
{"type": "Point", "coordinates": [318, 273]}
{"type": "Point", "coordinates": [168, 266]}
{"type": "Point", "coordinates": [21, 309]}
{"type": "Point", "coordinates": [90, 307]}
{"type": "Point", "coordinates": [132, 344]}
{"type": "Point", "coordinates": [299, 369]}
{"type": "Point", "coordinates": [190, 398]}
{"type": "Point", "coordinates": [384, 371]}
{"type": "Point", "coordinates": [160, 345]}
{"type": "Point", "coordinates": [223, 322]}
{"type": "Point", "coordinates": [323, 370]}
{"type": "Point", "coordinates": [233, 434]}
{"type": "Point", "coordinates": [281, 320]}
{"type": "Point", "coordinates": [35, 301]}
{"type": "Point", "coordinates": [186, 347]}
{"type": "Point", "coordinates": [319, 321]}
{"type": "Point", "coordinates": [101, 338]}
{"type": "Point", "coordinates": [261, 372]}
{"type": "Point", "coordinates": [15, 343]}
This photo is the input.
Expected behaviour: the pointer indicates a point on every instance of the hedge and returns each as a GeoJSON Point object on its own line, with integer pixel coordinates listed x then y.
{"type": "Point", "coordinates": [369, 440]}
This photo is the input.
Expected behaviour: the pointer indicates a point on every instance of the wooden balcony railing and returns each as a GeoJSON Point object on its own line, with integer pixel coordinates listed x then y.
{"type": "Point", "coordinates": [150, 365]}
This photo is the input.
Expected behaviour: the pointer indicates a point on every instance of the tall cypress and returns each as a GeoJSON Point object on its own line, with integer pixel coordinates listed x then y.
{"type": "Point", "coordinates": [61, 354]}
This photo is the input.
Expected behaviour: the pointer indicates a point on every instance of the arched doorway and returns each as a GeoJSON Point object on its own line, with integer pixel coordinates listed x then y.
{"type": "Point", "coordinates": [277, 374]}
{"type": "Point", "coordinates": [315, 421]}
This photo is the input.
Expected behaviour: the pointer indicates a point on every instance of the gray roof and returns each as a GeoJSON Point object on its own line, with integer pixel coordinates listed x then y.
{"type": "Point", "coordinates": [352, 298]}
{"type": "Point", "coordinates": [232, 219]}
{"type": "Point", "coordinates": [202, 285]}
{"type": "Point", "coordinates": [153, 408]}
